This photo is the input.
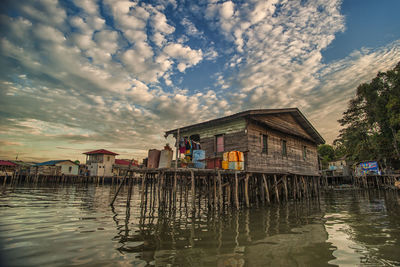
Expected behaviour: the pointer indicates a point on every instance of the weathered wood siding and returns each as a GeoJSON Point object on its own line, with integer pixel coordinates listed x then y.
{"type": "Point", "coordinates": [273, 160]}
{"type": "Point", "coordinates": [250, 142]}
{"type": "Point", "coordinates": [234, 136]}
{"type": "Point", "coordinates": [284, 122]}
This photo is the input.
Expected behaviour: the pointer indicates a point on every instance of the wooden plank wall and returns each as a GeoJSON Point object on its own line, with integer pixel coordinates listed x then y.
{"type": "Point", "coordinates": [250, 143]}
{"type": "Point", "coordinates": [222, 128]}
{"type": "Point", "coordinates": [284, 122]}
{"type": "Point", "coordinates": [233, 141]}
{"type": "Point", "coordinates": [274, 161]}
{"type": "Point", "coordinates": [234, 136]}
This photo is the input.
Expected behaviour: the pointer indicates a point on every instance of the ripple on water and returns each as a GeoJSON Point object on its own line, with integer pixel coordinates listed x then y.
{"type": "Point", "coordinates": [75, 226]}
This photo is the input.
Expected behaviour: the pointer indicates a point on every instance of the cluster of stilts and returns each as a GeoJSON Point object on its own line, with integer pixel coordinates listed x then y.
{"type": "Point", "coordinates": [218, 188]}
{"type": "Point", "coordinates": [41, 179]}
{"type": "Point", "coordinates": [387, 181]}
{"type": "Point", "coordinates": [377, 181]}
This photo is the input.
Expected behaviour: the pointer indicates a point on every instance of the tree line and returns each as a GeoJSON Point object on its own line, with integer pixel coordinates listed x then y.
{"type": "Point", "coordinates": [371, 124]}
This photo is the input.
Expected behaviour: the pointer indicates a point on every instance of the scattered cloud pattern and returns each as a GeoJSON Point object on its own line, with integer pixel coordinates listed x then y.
{"type": "Point", "coordinates": [86, 74]}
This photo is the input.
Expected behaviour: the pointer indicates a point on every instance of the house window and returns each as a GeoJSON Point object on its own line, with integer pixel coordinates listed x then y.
{"type": "Point", "coordinates": [108, 158]}
{"type": "Point", "coordinates": [304, 152]}
{"type": "Point", "coordinates": [69, 169]}
{"type": "Point", "coordinates": [264, 144]}
{"type": "Point", "coordinates": [220, 143]}
{"type": "Point", "coordinates": [284, 149]}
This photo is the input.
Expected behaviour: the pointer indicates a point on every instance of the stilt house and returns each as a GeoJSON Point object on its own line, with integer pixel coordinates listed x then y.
{"type": "Point", "coordinates": [100, 162]}
{"type": "Point", "coordinates": [273, 140]}
{"type": "Point", "coordinates": [57, 167]}
{"type": "Point", "coordinates": [7, 168]}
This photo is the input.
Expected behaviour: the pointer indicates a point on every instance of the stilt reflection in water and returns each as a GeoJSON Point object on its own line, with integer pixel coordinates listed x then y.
{"type": "Point", "coordinates": [61, 224]}
{"type": "Point", "coordinates": [205, 236]}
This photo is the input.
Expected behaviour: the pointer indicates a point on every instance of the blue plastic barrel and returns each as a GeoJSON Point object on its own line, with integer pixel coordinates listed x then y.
{"type": "Point", "coordinates": [199, 157]}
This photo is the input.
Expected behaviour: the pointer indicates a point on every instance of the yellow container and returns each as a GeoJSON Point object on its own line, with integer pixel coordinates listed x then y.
{"type": "Point", "coordinates": [225, 156]}
{"type": "Point", "coordinates": [225, 164]}
{"type": "Point", "coordinates": [233, 156]}
{"type": "Point", "coordinates": [240, 156]}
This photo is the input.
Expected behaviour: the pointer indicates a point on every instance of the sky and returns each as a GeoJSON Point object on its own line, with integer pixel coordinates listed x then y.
{"type": "Point", "coordinates": [83, 75]}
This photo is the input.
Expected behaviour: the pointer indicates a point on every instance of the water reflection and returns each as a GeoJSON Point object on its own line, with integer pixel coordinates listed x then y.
{"type": "Point", "coordinates": [69, 225]}
{"type": "Point", "coordinates": [223, 237]}
{"type": "Point", "coordinates": [364, 228]}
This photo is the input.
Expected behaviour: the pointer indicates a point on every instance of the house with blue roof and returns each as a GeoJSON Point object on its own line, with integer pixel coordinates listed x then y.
{"type": "Point", "coordinates": [57, 167]}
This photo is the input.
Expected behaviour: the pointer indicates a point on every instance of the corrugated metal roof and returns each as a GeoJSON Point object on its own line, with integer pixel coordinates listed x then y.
{"type": "Point", "coordinates": [53, 162]}
{"type": "Point", "coordinates": [100, 151]}
{"type": "Point", "coordinates": [7, 163]}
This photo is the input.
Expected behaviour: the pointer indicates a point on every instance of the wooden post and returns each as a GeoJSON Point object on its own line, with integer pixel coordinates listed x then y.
{"type": "Point", "coordinates": [176, 163]}
{"type": "Point", "coordinates": [236, 191]}
{"type": "Point", "coordinates": [143, 182]}
{"type": "Point", "coordinates": [261, 189]}
{"type": "Point", "coordinates": [119, 188]}
{"type": "Point", "coordinates": [193, 190]}
{"type": "Point", "coordinates": [284, 179]}
{"type": "Point", "coordinates": [266, 188]}
{"type": "Point", "coordinates": [246, 189]}
{"type": "Point", "coordinates": [276, 189]}
{"type": "Point", "coordinates": [220, 200]}
{"type": "Point", "coordinates": [215, 191]}
{"type": "Point", "coordinates": [304, 187]}
{"type": "Point", "coordinates": [228, 193]}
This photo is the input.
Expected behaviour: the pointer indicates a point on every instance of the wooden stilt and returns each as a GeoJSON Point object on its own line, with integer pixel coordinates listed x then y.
{"type": "Point", "coordinates": [276, 189]}
{"type": "Point", "coordinates": [236, 191]}
{"type": "Point", "coordinates": [215, 191]}
{"type": "Point", "coordinates": [246, 189]}
{"type": "Point", "coordinates": [266, 188]}
{"type": "Point", "coordinates": [193, 189]}
{"type": "Point", "coordinates": [304, 187]}
{"type": "Point", "coordinates": [220, 200]}
{"type": "Point", "coordinates": [285, 186]}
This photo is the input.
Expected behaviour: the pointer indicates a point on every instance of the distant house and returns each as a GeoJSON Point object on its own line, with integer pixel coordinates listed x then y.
{"type": "Point", "coordinates": [100, 162]}
{"type": "Point", "coordinates": [273, 140]}
{"type": "Point", "coordinates": [25, 168]}
{"type": "Point", "coordinates": [121, 165]}
{"type": "Point", "coordinates": [7, 168]}
{"type": "Point", "coordinates": [57, 167]}
{"type": "Point", "coordinates": [339, 167]}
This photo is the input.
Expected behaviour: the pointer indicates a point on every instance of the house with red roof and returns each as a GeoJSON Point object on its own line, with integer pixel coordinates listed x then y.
{"type": "Point", "coordinates": [121, 165]}
{"type": "Point", "coordinates": [100, 162]}
{"type": "Point", "coordinates": [7, 167]}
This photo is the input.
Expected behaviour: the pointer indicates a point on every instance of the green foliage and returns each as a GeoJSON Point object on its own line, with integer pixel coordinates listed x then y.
{"type": "Point", "coordinates": [327, 153]}
{"type": "Point", "coordinates": [371, 124]}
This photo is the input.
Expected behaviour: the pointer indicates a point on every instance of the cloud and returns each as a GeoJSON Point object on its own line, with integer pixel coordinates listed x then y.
{"type": "Point", "coordinates": [185, 56]}
{"type": "Point", "coordinates": [191, 29]}
{"type": "Point", "coordinates": [72, 76]}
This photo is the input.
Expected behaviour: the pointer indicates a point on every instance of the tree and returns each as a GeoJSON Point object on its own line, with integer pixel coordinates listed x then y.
{"type": "Point", "coordinates": [371, 124]}
{"type": "Point", "coordinates": [327, 153]}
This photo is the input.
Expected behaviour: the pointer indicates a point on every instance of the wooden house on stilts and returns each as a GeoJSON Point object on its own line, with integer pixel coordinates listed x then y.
{"type": "Point", "coordinates": [273, 140]}
{"type": "Point", "coordinates": [278, 148]}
